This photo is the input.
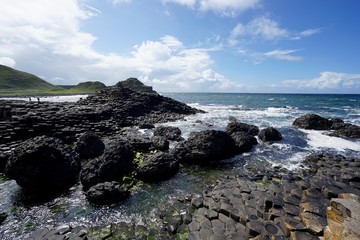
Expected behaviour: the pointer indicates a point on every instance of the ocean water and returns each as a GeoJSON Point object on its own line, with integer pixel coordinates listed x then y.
{"type": "Point", "coordinates": [263, 110]}
{"type": "Point", "coordinates": [279, 111]}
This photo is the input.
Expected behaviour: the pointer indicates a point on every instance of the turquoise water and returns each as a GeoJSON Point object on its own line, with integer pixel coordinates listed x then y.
{"type": "Point", "coordinates": [263, 110]}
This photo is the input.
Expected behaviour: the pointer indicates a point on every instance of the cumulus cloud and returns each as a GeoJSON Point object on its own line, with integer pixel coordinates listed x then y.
{"type": "Point", "coordinates": [283, 54]}
{"type": "Point", "coordinates": [45, 38]}
{"type": "Point", "coordinates": [327, 81]}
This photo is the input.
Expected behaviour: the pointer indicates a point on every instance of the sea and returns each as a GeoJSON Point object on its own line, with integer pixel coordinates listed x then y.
{"type": "Point", "coordinates": [263, 110]}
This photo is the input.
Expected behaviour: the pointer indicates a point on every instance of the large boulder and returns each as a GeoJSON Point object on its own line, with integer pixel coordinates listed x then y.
{"type": "Point", "coordinates": [243, 142]}
{"type": "Point", "coordinates": [270, 134]}
{"type": "Point", "coordinates": [205, 146]}
{"type": "Point", "coordinates": [89, 145]}
{"type": "Point", "coordinates": [347, 130]}
{"type": "Point", "coordinates": [43, 164]}
{"type": "Point", "coordinates": [236, 126]}
{"type": "Point", "coordinates": [313, 122]}
{"type": "Point", "coordinates": [169, 132]}
{"type": "Point", "coordinates": [160, 143]}
{"type": "Point", "coordinates": [113, 165]}
{"type": "Point", "coordinates": [107, 193]}
{"type": "Point", "coordinates": [157, 167]}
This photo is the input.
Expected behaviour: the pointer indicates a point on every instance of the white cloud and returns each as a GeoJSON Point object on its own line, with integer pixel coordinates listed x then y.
{"type": "Point", "coordinates": [188, 3]}
{"type": "Point", "coordinates": [259, 28]}
{"type": "Point", "coordinates": [228, 7]}
{"type": "Point", "coordinates": [115, 2]}
{"type": "Point", "coordinates": [283, 54]}
{"type": "Point", "coordinates": [7, 61]}
{"type": "Point", "coordinates": [310, 32]}
{"type": "Point", "coordinates": [327, 81]}
{"type": "Point", "coordinates": [45, 38]}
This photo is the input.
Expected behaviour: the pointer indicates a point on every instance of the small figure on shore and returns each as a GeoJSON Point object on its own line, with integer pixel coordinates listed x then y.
{"type": "Point", "coordinates": [38, 99]}
{"type": "Point", "coordinates": [29, 99]}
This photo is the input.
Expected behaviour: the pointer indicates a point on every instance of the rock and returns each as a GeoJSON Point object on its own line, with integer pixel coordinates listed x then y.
{"type": "Point", "coordinates": [347, 130]}
{"type": "Point", "coordinates": [206, 146]}
{"type": "Point", "coordinates": [89, 145]}
{"type": "Point", "coordinates": [3, 160]}
{"type": "Point", "coordinates": [160, 143]}
{"type": "Point", "coordinates": [314, 223]}
{"type": "Point", "coordinates": [138, 143]}
{"type": "Point", "coordinates": [146, 125]}
{"type": "Point", "coordinates": [297, 235]}
{"type": "Point", "coordinates": [235, 126]}
{"type": "Point", "coordinates": [270, 134]}
{"type": "Point", "coordinates": [158, 167]}
{"type": "Point", "coordinates": [43, 164]}
{"type": "Point", "coordinates": [113, 165]}
{"type": "Point", "coordinates": [243, 142]}
{"type": "Point", "coordinates": [197, 202]}
{"type": "Point", "coordinates": [107, 193]}
{"type": "Point", "coordinates": [312, 121]}
{"type": "Point", "coordinates": [343, 217]}
{"type": "Point", "coordinates": [170, 133]}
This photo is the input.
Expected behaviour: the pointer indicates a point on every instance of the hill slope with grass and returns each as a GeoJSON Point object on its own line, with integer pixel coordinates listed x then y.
{"type": "Point", "coordinates": [12, 80]}
{"type": "Point", "coordinates": [88, 87]}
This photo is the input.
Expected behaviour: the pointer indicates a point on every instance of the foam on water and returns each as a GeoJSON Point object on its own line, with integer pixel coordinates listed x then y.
{"type": "Point", "coordinates": [319, 140]}
{"type": "Point", "coordinates": [65, 98]}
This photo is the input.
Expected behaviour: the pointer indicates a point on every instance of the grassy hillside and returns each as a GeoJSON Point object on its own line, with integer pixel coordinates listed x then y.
{"type": "Point", "coordinates": [88, 86]}
{"type": "Point", "coordinates": [12, 80]}
{"type": "Point", "coordinates": [18, 83]}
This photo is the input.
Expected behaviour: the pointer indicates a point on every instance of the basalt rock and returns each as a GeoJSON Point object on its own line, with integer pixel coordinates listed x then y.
{"type": "Point", "coordinates": [170, 133]}
{"type": "Point", "coordinates": [89, 145]}
{"type": "Point", "coordinates": [113, 165]}
{"type": "Point", "coordinates": [206, 146]}
{"type": "Point", "coordinates": [236, 126]}
{"type": "Point", "coordinates": [312, 121]}
{"type": "Point", "coordinates": [243, 141]}
{"type": "Point", "coordinates": [157, 167]}
{"type": "Point", "coordinates": [43, 164]}
{"type": "Point", "coordinates": [107, 193]}
{"type": "Point", "coordinates": [160, 143]}
{"type": "Point", "coordinates": [270, 134]}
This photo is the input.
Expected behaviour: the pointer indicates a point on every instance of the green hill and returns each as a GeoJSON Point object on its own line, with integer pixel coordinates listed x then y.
{"type": "Point", "coordinates": [135, 84]}
{"type": "Point", "coordinates": [88, 87]}
{"type": "Point", "coordinates": [12, 81]}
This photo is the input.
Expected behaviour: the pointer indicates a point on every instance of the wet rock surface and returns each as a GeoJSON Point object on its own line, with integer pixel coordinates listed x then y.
{"type": "Point", "coordinates": [43, 164]}
{"type": "Point", "coordinates": [270, 134]}
{"type": "Point", "coordinates": [89, 145]}
{"type": "Point", "coordinates": [107, 193]}
{"type": "Point", "coordinates": [265, 203]}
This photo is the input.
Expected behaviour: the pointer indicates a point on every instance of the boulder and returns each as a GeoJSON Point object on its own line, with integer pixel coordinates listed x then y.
{"type": "Point", "coordinates": [113, 165]}
{"type": "Point", "coordinates": [158, 167]}
{"type": "Point", "coordinates": [313, 122]}
{"type": "Point", "coordinates": [270, 134]}
{"type": "Point", "coordinates": [205, 146]}
{"type": "Point", "coordinates": [347, 130]}
{"type": "Point", "coordinates": [235, 126]}
{"type": "Point", "coordinates": [243, 141]}
{"type": "Point", "coordinates": [107, 193]}
{"type": "Point", "coordinates": [160, 143]}
{"type": "Point", "coordinates": [89, 145]}
{"type": "Point", "coordinates": [170, 133]}
{"type": "Point", "coordinates": [43, 164]}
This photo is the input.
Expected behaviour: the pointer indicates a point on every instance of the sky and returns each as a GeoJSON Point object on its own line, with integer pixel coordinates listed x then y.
{"type": "Point", "coordinates": [261, 46]}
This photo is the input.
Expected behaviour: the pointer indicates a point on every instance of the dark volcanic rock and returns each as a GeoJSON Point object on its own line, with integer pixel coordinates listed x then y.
{"type": "Point", "coordinates": [43, 164]}
{"type": "Point", "coordinates": [160, 143]}
{"type": "Point", "coordinates": [89, 145]}
{"type": "Point", "coordinates": [3, 217]}
{"type": "Point", "coordinates": [107, 193]}
{"type": "Point", "coordinates": [312, 121]}
{"type": "Point", "coordinates": [347, 130]}
{"type": "Point", "coordinates": [206, 146]}
{"type": "Point", "coordinates": [3, 160]}
{"type": "Point", "coordinates": [235, 126]}
{"type": "Point", "coordinates": [270, 134]}
{"type": "Point", "coordinates": [170, 133]}
{"type": "Point", "coordinates": [243, 141]}
{"type": "Point", "coordinates": [113, 165]}
{"type": "Point", "coordinates": [158, 167]}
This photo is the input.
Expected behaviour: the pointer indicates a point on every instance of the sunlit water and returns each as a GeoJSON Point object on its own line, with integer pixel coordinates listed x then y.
{"type": "Point", "coordinates": [263, 110]}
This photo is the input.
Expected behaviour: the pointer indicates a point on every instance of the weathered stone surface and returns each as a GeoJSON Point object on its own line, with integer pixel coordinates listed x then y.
{"type": "Point", "coordinates": [89, 145]}
{"type": "Point", "coordinates": [170, 133]}
{"type": "Point", "coordinates": [160, 143]}
{"type": "Point", "coordinates": [107, 193]}
{"type": "Point", "coordinates": [343, 217]}
{"type": "Point", "coordinates": [235, 126]}
{"type": "Point", "coordinates": [243, 142]}
{"type": "Point", "coordinates": [314, 223]}
{"type": "Point", "coordinates": [43, 164]}
{"type": "Point", "coordinates": [113, 165]}
{"type": "Point", "coordinates": [297, 235]}
{"type": "Point", "coordinates": [270, 134]}
{"type": "Point", "coordinates": [312, 121]}
{"type": "Point", "coordinates": [158, 167]}
{"type": "Point", "coordinates": [206, 146]}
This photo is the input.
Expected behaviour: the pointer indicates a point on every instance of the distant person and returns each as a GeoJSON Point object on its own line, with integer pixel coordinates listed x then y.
{"type": "Point", "coordinates": [29, 99]}
{"type": "Point", "coordinates": [38, 99]}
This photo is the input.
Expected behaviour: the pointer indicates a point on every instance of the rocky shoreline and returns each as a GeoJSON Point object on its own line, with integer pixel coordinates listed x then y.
{"type": "Point", "coordinates": [49, 147]}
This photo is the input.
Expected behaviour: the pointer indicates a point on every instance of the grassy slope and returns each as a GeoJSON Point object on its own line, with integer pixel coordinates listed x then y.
{"type": "Point", "coordinates": [17, 83]}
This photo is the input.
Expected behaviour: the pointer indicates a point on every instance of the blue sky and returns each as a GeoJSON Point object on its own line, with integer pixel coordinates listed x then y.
{"type": "Point", "coordinates": [297, 46]}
